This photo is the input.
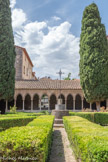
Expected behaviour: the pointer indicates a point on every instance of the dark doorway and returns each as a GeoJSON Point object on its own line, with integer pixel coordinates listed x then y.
{"type": "Point", "coordinates": [44, 102]}
{"type": "Point", "coordinates": [78, 103]}
{"type": "Point", "coordinates": [103, 103]}
{"type": "Point", "coordinates": [27, 102]}
{"type": "Point", "coordinates": [94, 106]}
{"type": "Point", "coordinates": [53, 102]}
{"type": "Point", "coordinates": [85, 104]}
{"type": "Point", "coordinates": [2, 106]}
{"type": "Point", "coordinates": [36, 102]}
{"type": "Point", "coordinates": [10, 104]}
{"type": "Point", "coordinates": [19, 102]}
{"type": "Point", "coordinates": [69, 102]}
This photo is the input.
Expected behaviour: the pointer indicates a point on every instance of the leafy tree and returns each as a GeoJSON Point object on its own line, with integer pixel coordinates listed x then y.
{"type": "Point", "coordinates": [93, 56]}
{"type": "Point", "coordinates": [7, 53]}
{"type": "Point", "coordinates": [68, 77]}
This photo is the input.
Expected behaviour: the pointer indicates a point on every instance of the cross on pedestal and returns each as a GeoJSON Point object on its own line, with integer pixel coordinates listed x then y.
{"type": "Point", "coordinates": [60, 74]}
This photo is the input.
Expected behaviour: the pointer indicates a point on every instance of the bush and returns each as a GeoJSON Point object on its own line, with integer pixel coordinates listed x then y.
{"type": "Point", "coordinates": [8, 122]}
{"type": "Point", "coordinates": [89, 140]}
{"type": "Point", "coordinates": [13, 109]}
{"type": "Point", "coordinates": [31, 142]}
{"type": "Point", "coordinates": [96, 117]}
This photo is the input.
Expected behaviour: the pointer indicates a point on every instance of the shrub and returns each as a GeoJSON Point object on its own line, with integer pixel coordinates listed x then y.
{"type": "Point", "coordinates": [31, 142]}
{"type": "Point", "coordinates": [96, 117]}
{"type": "Point", "coordinates": [8, 122]}
{"type": "Point", "coordinates": [89, 140]}
{"type": "Point", "coordinates": [13, 109]}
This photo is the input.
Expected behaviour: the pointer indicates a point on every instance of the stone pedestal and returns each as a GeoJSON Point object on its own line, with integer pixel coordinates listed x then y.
{"type": "Point", "coordinates": [59, 114]}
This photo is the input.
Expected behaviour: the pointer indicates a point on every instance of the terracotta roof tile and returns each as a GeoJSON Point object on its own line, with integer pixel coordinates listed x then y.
{"type": "Point", "coordinates": [48, 84]}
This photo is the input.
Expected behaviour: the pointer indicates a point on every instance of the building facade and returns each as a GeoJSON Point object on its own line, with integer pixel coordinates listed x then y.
{"type": "Point", "coordinates": [32, 94]}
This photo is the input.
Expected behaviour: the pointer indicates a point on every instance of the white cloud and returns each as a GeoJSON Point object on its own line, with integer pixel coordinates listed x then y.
{"type": "Point", "coordinates": [56, 18]}
{"type": "Point", "coordinates": [57, 48]}
{"type": "Point", "coordinates": [12, 3]}
{"type": "Point", "coordinates": [18, 19]}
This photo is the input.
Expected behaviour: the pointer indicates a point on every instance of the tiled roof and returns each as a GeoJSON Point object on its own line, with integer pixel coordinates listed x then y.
{"type": "Point", "coordinates": [47, 84]}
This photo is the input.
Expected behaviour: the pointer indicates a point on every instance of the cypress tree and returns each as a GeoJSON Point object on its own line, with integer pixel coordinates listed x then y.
{"type": "Point", "coordinates": [93, 56]}
{"type": "Point", "coordinates": [7, 53]}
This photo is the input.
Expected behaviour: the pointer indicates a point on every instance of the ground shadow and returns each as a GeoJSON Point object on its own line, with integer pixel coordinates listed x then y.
{"type": "Point", "coordinates": [57, 150]}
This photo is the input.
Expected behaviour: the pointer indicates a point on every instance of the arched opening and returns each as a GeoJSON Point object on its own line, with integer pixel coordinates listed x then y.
{"type": "Point", "coordinates": [86, 104]}
{"type": "Point", "coordinates": [70, 102]}
{"type": "Point", "coordinates": [27, 102]}
{"type": "Point", "coordinates": [10, 104]}
{"type": "Point", "coordinates": [36, 102]}
{"type": "Point", "coordinates": [53, 102]}
{"type": "Point", "coordinates": [44, 102]}
{"type": "Point", "coordinates": [78, 105]}
{"type": "Point", "coordinates": [19, 102]}
{"type": "Point", "coordinates": [103, 103]}
{"type": "Point", "coordinates": [94, 106]}
{"type": "Point", "coordinates": [63, 98]}
{"type": "Point", "coordinates": [2, 106]}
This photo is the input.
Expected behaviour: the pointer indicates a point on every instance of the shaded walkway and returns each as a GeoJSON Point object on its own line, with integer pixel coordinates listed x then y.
{"type": "Point", "coordinates": [61, 150]}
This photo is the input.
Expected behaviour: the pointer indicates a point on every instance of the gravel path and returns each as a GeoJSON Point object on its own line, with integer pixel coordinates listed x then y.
{"type": "Point", "coordinates": [61, 150]}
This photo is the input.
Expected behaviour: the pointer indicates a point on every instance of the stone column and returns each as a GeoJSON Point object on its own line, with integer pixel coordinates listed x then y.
{"type": "Point", "coordinates": [91, 106]}
{"type": "Point", "coordinates": [65, 104]}
{"type": "Point", "coordinates": [82, 103]}
{"type": "Point", "coordinates": [48, 104]}
{"type": "Point", "coordinates": [73, 104]}
{"type": "Point", "coordinates": [107, 103]}
{"type": "Point", "coordinates": [15, 102]}
{"type": "Point", "coordinates": [23, 105]}
{"type": "Point", "coordinates": [6, 105]}
{"type": "Point", "coordinates": [40, 104]}
{"type": "Point", "coordinates": [31, 105]}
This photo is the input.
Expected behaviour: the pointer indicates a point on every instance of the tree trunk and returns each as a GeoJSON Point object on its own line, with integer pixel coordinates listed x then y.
{"type": "Point", "coordinates": [98, 106]}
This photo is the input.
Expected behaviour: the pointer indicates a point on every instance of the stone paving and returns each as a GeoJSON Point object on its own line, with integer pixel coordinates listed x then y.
{"type": "Point", "coordinates": [61, 150]}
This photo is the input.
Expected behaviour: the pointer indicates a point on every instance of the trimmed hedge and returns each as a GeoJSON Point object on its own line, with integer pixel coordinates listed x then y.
{"type": "Point", "coordinates": [29, 143]}
{"type": "Point", "coordinates": [96, 117]}
{"type": "Point", "coordinates": [89, 140]}
{"type": "Point", "coordinates": [7, 122]}
{"type": "Point", "coordinates": [20, 114]}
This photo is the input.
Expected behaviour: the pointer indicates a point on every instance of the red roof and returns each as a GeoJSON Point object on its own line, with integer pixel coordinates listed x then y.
{"type": "Point", "coordinates": [48, 84]}
{"type": "Point", "coordinates": [27, 55]}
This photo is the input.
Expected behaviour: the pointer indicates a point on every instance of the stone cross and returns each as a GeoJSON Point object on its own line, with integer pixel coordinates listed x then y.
{"type": "Point", "coordinates": [60, 74]}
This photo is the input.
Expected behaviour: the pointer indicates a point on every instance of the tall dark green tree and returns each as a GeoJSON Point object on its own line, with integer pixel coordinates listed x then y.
{"type": "Point", "coordinates": [93, 56]}
{"type": "Point", "coordinates": [7, 53]}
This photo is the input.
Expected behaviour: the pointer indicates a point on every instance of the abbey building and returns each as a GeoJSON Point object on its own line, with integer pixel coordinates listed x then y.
{"type": "Point", "coordinates": [35, 95]}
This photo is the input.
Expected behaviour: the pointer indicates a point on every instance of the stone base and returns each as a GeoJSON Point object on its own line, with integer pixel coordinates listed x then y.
{"type": "Point", "coordinates": [60, 107]}
{"type": "Point", "coordinates": [58, 121]}
{"type": "Point", "coordinates": [60, 113]}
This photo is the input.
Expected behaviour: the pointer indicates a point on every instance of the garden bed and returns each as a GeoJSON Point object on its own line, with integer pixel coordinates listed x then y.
{"type": "Point", "coordinates": [89, 140]}
{"type": "Point", "coordinates": [96, 117]}
{"type": "Point", "coordinates": [31, 142]}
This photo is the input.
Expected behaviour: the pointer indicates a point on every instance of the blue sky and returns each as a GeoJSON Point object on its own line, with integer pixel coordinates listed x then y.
{"type": "Point", "coordinates": [50, 31]}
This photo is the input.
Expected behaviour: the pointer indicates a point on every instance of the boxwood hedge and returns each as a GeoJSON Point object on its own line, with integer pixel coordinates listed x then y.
{"type": "Point", "coordinates": [29, 143]}
{"type": "Point", "coordinates": [6, 123]}
{"type": "Point", "coordinates": [96, 117]}
{"type": "Point", "coordinates": [89, 140]}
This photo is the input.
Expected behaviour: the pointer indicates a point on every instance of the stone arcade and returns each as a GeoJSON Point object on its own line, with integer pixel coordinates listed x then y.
{"type": "Point", "coordinates": [32, 94]}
